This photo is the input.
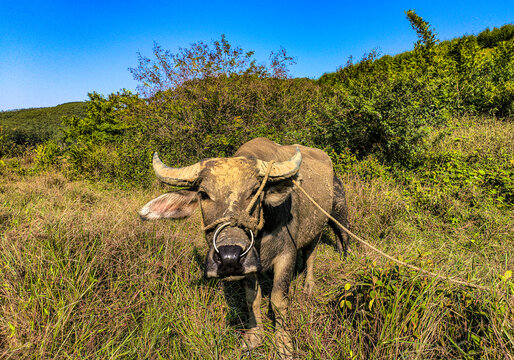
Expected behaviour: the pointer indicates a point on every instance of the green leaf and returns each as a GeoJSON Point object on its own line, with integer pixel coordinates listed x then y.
{"type": "Point", "coordinates": [371, 303]}
{"type": "Point", "coordinates": [12, 327]}
{"type": "Point", "coordinates": [476, 339]}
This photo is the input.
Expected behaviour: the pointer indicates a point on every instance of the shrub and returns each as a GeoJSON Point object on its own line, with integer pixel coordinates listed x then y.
{"type": "Point", "coordinates": [491, 38]}
{"type": "Point", "coordinates": [202, 118]}
{"type": "Point", "coordinates": [47, 155]}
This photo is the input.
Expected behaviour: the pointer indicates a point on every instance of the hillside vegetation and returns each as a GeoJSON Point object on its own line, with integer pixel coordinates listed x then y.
{"type": "Point", "coordinates": [29, 127]}
{"type": "Point", "coordinates": [382, 107]}
{"type": "Point", "coordinates": [422, 140]}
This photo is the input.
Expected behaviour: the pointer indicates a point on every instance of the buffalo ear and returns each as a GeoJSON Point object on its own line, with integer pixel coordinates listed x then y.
{"type": "Point", "coordinates": [278, 193]}
{"type": "Point", "coordinates": [174, 205]}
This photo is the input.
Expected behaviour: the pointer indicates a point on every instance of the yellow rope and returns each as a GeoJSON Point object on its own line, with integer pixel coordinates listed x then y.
{"type": "Point", "coordinates": [460, 282]}
{"type": "Point", "coordinates": [263, 183]}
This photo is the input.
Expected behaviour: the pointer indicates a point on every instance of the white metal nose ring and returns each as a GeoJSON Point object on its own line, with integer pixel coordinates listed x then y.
{"type": "Point", "coordinates": [221, 227]}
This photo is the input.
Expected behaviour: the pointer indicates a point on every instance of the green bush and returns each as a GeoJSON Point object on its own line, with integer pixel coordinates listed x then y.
{"type": "Point", "coordinates": [386, 106]}
{"type": "Point", "coordinates": [379, 107]}
{"type": "Point", "coordinates": [47, 155]}
{"type": "Point", "coordinates": [107, 142]}
{"type": "Point", "coordinates": [213, 117]}
{"type": "Point", "coordinates": [491, 38]}
{"type": "Point", "coordinates": [4, 146]}
{"type": "Point", "coordinates": [201, 119]}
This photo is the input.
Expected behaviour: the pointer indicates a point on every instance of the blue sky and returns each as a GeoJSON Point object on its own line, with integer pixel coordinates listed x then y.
{"type": "Point", "coordinates": [53, 52]}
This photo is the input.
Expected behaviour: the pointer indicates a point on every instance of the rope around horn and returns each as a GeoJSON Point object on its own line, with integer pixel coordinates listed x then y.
{"type": "Point", "coordinates": [438, 276]}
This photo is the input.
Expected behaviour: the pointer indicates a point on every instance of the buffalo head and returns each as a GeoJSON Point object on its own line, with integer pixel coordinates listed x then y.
{"type": "Point", "coordinates": [223, 188]}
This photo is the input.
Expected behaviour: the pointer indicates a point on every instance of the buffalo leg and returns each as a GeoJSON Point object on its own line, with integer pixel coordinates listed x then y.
{"type": "Point", "coordinates": [283, 268]}
{"type": "Point", "coordinates": [253, 336]}
{"type": "Point", "coordinates": [340, 213]}
{"type": "Point", "coordinates": [309, 254]}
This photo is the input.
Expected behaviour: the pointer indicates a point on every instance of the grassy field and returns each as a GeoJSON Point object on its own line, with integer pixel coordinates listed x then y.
{"type": "Point", "coordinates": [82, 277]}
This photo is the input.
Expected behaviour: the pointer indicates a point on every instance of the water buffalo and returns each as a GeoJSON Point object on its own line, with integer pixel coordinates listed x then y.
{"type": "Point", "coordinates": [248, 238]}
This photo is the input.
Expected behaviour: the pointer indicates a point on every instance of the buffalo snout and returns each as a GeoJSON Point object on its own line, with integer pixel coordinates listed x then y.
{"type": "Point", "coordinates": [230, 257]}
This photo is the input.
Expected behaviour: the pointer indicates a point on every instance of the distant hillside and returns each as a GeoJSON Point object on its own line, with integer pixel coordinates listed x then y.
{"type": "Point", "coordinates": [32, 126]}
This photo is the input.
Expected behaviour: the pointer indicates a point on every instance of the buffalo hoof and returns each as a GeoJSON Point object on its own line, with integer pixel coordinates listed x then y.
{"type": "Point", "coordinates": [284, 344]}
{"type": "Point", "coordinates": [252, 338]}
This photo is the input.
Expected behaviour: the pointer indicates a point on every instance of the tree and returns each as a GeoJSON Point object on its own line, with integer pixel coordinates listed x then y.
{"type": "Point", "coordinates": [427, 37]}
{"type": "Point", "coordinates": [170, 70]}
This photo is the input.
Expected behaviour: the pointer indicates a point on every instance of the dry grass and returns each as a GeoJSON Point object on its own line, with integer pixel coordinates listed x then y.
{"type": "Point", "coordinates": [82, 277]}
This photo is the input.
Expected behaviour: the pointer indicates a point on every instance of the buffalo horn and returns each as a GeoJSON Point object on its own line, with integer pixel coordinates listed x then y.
{"type": "Point", "coordinates": [283, 169]}
{"type": "Point", "coordinates": [185, 176]}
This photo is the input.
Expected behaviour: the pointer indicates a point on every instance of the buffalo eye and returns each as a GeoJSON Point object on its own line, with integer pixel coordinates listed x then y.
{"type": "Point", "coordinates": [203, 195]}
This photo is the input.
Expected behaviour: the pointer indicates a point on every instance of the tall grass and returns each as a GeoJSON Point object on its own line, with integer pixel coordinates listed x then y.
{"type": "Point", "coordinates": [82, 277]}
